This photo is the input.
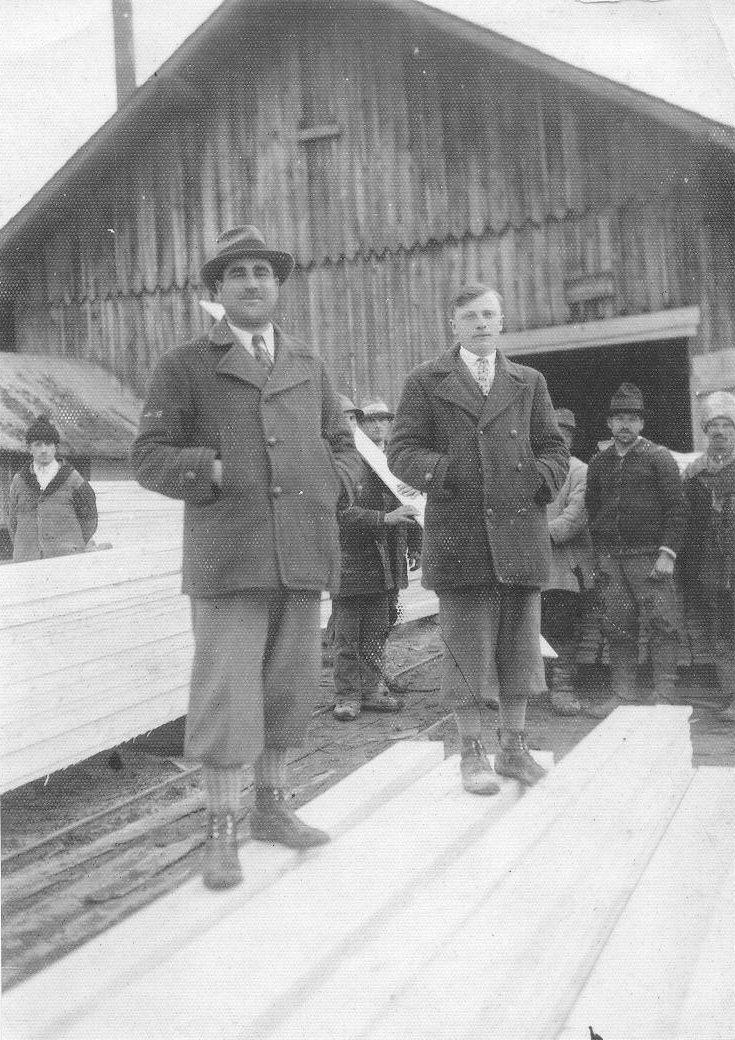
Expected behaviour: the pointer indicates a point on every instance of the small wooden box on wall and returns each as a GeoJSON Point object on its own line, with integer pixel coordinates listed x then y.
{"type": "Point", "coordinates": [590, 296]}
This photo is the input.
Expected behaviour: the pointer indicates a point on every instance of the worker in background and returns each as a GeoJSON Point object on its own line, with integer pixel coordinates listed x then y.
{"type": "Point", "coordinates": [638, 519]}
{"type": "Point", "coordinates": [709, 558]}
{"type": "Point", "coordinates": [571, 574]}
{"type": "Point", "coordinates": [52, 510]}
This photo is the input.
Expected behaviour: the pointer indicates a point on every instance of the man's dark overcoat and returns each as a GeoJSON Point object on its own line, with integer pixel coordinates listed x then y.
{"type": "Point", "coordinates": [285, 449]}
{"type": "Point", "coordinates": [488, 466]}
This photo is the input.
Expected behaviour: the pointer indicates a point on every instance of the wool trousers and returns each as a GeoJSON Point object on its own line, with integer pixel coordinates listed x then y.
{"type": "Point", "coordinates": [255, 675]}
{"type": "Point", "coordinates": [361, 626]}
{"type": "Point", "coordinates": [492, 651]}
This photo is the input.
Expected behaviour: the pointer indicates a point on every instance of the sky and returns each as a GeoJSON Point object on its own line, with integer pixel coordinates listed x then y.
{"type": "Point", "coordinates": [57, 78]}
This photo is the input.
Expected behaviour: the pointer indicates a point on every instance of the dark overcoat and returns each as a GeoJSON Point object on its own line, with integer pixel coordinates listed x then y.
{"type": "Point", "coordinates": [488, 466]}
{"type": "Point", "coordinates": [286, 452]}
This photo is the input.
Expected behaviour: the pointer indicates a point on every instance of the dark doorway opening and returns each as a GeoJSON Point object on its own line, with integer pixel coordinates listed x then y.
{"type": "Point", "coordinates": [585, 380]}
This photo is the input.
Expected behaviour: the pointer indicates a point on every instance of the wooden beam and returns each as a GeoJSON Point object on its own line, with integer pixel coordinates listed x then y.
{"type": "Point", "coordinates": [678, 323]}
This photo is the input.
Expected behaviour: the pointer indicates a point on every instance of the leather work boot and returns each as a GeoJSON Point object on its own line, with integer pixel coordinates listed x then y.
{"type": "Point", "coordinates": [221, 867]}
{"type": "Point", "coordinates": [345, 709]}
{"type": "Point", "coordinates": [561, 692]}
{"type": "Point", "coordinates": [273, 820]}
{"type": "Point", "coordinates": [477, 773]}
{"type": "Point", "coordinates": [381, 700]}
{"type": "Point", "coordinates": [514, 759]}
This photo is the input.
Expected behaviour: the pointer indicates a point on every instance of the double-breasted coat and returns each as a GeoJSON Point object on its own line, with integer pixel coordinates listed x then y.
{"type": "Point", "coordinates": [488, 466]}
{"type": "Point", "coordinates": [286, 451]}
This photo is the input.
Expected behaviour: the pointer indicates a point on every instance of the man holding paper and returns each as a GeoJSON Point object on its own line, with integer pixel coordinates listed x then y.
{"type": "Point", "coordinates": [477, 433]}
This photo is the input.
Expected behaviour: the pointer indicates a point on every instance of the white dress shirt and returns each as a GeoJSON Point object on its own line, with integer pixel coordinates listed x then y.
{"type": "Point", "coordinates": [471, 360]}
{"type": "Point", "coordinates": [45, 474]}
{"type": "Point", "coordinates": [245, 336]}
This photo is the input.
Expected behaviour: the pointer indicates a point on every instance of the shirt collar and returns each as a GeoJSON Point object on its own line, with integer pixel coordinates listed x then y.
{"type": "Point", "coordinates": [471, 359]}
{"type": "Point", "coordinates": [245, 336]}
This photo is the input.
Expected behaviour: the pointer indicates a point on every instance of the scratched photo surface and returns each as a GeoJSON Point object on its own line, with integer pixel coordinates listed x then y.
{"type": "Point", "coordinates": [367, 519]}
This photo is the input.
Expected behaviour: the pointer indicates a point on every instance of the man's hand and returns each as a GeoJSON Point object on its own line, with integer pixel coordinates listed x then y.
{"type": "Point", "coordinates": [401, 515]}
{"type": "Point", "coordinates": [217, 473]}
{"type": "Point", "coordinates": [663, 567]}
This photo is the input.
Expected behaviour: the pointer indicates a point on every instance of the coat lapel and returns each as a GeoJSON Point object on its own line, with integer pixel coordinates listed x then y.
{"type": "Point", "coordinates": [289, 369]}
{"type": "Point", "coordinates": [505, 389]}
{"type": "Point", "coordinates": [237, 362]}
{"type": "Point", "coordinates": [458, 386]}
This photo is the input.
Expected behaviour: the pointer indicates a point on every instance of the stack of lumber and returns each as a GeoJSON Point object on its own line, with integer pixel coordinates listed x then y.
{"type": "Point", "coordinates": [435, 914]}
{"type": "Point", "coordinates": [130, 516]}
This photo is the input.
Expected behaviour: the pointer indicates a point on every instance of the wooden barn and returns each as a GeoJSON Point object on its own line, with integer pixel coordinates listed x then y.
{"type": "Point", "coordinates": [397, 149]}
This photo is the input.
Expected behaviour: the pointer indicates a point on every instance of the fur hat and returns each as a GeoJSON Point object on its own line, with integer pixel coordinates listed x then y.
{"type": "Point", "coordinates": [42, 429]}
{"type": "Point", "coordinates": [244, 240]}
{"type": "Point", "coordinates": [565, 417]}
{"type": "Point", "coordinates": [720, 405]}
{"type": "Point", "coordinates": [627, 398]}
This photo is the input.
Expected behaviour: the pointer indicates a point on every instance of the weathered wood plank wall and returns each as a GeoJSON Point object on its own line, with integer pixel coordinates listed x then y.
{"type": "Point", "coordinates": [446, 163]}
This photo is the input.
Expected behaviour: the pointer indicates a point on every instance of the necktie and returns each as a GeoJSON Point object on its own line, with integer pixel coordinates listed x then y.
{"type": "Point", "coordinates": [484, 380]}
{"type": "Point", "coordinates": [261, 351]}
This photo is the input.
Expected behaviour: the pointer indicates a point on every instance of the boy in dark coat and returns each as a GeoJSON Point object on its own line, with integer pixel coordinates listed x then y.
{"type": "Point", "coordinates": [244, 426]}
{"type": "Point", "coordinates": [377, 535]}
{"type": "Point", "coordinates": [477, 433]}
{"type": "Point", "coordinates": [638, 518]}
{"type": "Point", "coordinates": [52, 510]}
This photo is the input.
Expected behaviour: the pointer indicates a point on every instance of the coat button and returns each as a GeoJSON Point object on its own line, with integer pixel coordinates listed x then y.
{"type": "Point", "coordinates": [489, 512]}
{"type": "Point", "coordinates": [519, 466]}
{"type": "Point", "coordinates": [190, 475]}
{"type": "Point", "coordinates": [276, 490]}
{"type": "Point", "coordinates": [428, 476]}
{"type": "Point", "coordinates": [514, 433]}
{"type": "Point", "coordinates": [271, 441]}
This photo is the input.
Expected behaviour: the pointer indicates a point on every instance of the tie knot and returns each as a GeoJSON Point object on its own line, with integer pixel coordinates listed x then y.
{"type": "Point", "coordinates": [260, 350]}
{"type": "Point", "coordinates": [484, 379]}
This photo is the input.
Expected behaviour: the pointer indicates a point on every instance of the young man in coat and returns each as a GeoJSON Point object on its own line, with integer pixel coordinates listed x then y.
{"type": "Point", "coordinates": [52, 510]}
{"type": "Point", "coordinates": [377, 535]}
{"type": "Point", "coordinates": [244, 426]}
{"type": "Point", "coordinates": [709, 560]}
{"type": "Point", "coordinates": [571, 573]}
{"type": "Point", "coordinates": [477, 433]}
{"type": "Point", "coordinates": [638, 519]}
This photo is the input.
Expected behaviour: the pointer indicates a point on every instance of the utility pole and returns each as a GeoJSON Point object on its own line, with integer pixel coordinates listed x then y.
{"type": "Point", "coordinates": [122, 28]}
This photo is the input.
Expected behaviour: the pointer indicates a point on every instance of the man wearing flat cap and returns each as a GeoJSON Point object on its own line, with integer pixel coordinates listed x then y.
{"type": "Point", "coordinates": [709, 560]}
{"type": "Point", "coordinates": [244, 426]}
{"type": "Point", "coordinates": [638, 518]}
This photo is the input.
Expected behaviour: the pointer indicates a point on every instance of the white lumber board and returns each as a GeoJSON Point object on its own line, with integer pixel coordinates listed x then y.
{"type": "Point", "coordinates": [642, 977]}
{"type": "Point", "coordinates": [59, 1000]}
{"type": "Point", "coordinates": [410, 967]}
{"type": "Point", "coordinates": [709, 1007]}
{"type": "Point", "coordinates": [298, 929]}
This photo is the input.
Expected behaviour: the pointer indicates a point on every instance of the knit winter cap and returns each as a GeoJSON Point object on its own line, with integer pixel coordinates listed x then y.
{"type": "Point", "coordinates": [720, 405]}
{"type": "Point", "coordinates": [627, 398]}
{"type": "Point", "coordinates": [42, 429]}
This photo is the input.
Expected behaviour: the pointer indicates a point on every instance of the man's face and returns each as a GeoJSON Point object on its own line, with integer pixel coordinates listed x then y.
{"type": "Point", "coordinates": [478, 323]}
{"type": "Point", "coordinates": [625, 427]}
{"type": "Point", "coordinates": [377, 429]}
{"type": "Point", "coordinates": [351, 419]}
{"type": "Point", "coordinates": [721, 437]}
{"type": "Point", "coordinates": [248, 291]}
{"type": "Point", "coordinates": [43, 452]}
{"type": "Point", "coordinates": [568, 435]}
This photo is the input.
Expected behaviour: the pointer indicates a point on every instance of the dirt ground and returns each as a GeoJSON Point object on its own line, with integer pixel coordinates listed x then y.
{"type": "Point", "coordinates": [100, 865]}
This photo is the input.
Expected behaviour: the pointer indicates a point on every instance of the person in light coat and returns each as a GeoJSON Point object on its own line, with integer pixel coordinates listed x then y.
{"type": "Point", "coordinates": [570, 574]}
{"type": "Point", "coordinates": [244, 426]}
{"type": "Point", "coordinates": [477, 433]}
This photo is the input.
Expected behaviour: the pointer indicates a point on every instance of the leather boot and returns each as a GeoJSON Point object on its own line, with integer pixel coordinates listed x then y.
{"type": "Point", "coordinates": [221, 867]}
{"type": "Point", "coordinates": [514, 759]}
{"type": "Point", "coordinates": [273, 820]}
{"type": "Point", "coordinates": [477, 773]}
{"type": "Point", "coordinates": [561, 691]}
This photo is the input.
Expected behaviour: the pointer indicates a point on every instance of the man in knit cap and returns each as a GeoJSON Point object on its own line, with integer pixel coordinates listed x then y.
{"type": "Point", "coordinates": [709, 560]}
{"type": "Point", "coordinates": [637, 516]}
{"type": "Point", "coordinates": [52, 510]}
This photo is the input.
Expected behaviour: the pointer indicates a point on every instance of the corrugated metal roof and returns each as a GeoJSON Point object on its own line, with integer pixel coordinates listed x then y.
{"type": "Point", "coordinates": [95, 414]}
{"type": "Point", "coordinates": [680, 51]}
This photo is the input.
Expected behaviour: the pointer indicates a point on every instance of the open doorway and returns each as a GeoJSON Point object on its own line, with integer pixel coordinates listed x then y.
{"type": "Point", "coordinates": [585, 380]}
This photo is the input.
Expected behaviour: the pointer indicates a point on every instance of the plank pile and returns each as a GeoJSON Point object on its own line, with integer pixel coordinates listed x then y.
{"type": "Point", "coordinates": [130, 516]}
{"type": "Point", "coordinates": [603, 896]}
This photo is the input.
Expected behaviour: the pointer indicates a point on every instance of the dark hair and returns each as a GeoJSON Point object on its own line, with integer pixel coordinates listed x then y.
{"type": "Point", "coordinates": [471, 291]}
{"type": "Point", "coordinates": [42, 429]}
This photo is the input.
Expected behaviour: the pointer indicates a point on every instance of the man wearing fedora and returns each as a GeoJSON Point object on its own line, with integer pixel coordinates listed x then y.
{"type": "Point", "coordinates": [477, 433]}
{"type": "Point", "coordinates": [244, 426]}
{"type": "Point", "coordinates": [638, 520]}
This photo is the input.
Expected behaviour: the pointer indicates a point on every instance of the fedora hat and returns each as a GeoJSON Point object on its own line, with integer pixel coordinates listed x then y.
{"type": "Point", "coordinates": [349, 406]}
{"type": "Point", "coordinates": [244, 240]}
{"type": "Point", "coordinates": [376, 409]}
{"type": "Point", "coordinates": [627, 398]}
{"type": "Point", "coordinates": [565, 417]}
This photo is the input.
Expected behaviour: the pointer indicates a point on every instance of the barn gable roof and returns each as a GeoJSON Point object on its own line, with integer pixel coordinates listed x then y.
{"type": "Point", "coordinates": [614, 50]}
{"type": "Point", "coordinates": [94, 413]}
